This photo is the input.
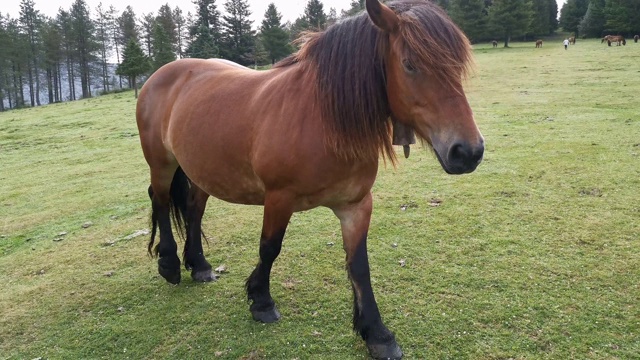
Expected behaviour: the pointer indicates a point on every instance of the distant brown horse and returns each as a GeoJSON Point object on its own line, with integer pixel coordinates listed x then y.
{"type": "Point", "coordinates": [635, 38]}
{"type": "Point", "coordinates": [572, 40]}
{"type": "Point", "coordinates": [538, 43]}
{"type": "Point", "coordinates": [618, 39]}
{"type": "Point", "coordinates": [307, 133]}
{"type": "Point", "coordinates": [495, 43]}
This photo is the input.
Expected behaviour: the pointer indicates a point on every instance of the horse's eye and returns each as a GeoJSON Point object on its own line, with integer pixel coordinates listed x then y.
{"type": "Point", "coordinates": [408, 66]}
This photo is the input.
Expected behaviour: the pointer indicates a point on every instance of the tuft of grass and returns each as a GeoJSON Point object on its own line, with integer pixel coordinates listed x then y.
{"type": "Point", "coordinates": [535, 255]}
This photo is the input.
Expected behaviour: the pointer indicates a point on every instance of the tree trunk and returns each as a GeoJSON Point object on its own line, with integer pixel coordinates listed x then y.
{"type": "Point", "coordinates": [35, 69]}
{"type": "Point", "coordinates": [31, 90]}
{"type": "Point", "coordinates": [506, 41]}
{"type": "Point", "coordinates": [135, 87]}
{"type": "Point", "coordinates": [50, 84]}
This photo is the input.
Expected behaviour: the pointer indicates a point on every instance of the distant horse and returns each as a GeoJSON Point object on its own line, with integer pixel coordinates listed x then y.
{"type": "Point", "coordinates": [538, 43]}
{"type": "Point", "coordinates": [572, 40]}
{"type": "Point", "coordinates": [495, 43]}
{"type": "Point", "coordinates": [635, 38]}
{"type": "Point", "coordinates": [618, 39]}
{"type": "Point", "coordinates": [307, 133]}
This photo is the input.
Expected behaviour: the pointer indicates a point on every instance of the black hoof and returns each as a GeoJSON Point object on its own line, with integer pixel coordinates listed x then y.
{"type": "Point", "coordinates": [169, 270]}
{"type": "Point", "coordinates": [385, 351]}
{"type": "Point", "coordinates": [171, 275]}
{"type": "Point", "coordinates": [203, 275]}
{"type": "Point", "coordinates": [266, 316]}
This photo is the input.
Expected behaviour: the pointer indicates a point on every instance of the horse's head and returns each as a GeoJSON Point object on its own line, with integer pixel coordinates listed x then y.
{"type": "Point", "coordinates": [425, 62]}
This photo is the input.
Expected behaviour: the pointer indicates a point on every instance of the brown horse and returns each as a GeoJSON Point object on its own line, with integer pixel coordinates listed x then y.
{"type": "Point", "coordinates": [572, 40]}
{"type": "Point", "coordinates": [495, 43]}
{"type": "Point", "coordinates": [538, 43]}
{"type": "Point", "coordinates": [618, 39]}
{"type": "Point", "coordinates": [635, 38]}
{"type": "Point", "coordinates": [307, 133]}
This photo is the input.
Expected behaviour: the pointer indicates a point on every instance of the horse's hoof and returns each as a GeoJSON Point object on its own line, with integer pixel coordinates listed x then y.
{"type": "Point", "coordinates": [266, 316]}
{"type": "Point", "coordinates": [203, 275]}
{"type": "Point", "coordinates": [171, 275]}
{"type": "Point", "coordinates": [385, 351]}
{"type": "Point", "coordinates": [169, 269]}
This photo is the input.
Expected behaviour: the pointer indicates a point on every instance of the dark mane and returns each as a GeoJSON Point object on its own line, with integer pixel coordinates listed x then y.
{"type": "Point", "coordinates": [348, 61]}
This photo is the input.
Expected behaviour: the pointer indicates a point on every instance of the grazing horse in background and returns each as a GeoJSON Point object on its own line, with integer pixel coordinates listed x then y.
{"type": "Point", "coordinates": [538, 43]}
{"type": "Point", "coordinates": [307, 133]}
{"type": "Point", "coordinates": [635, 38]}
{"type": "Point", "coordinates": [572, 40]}
{"type": "Point", "coordinates": [495, 43]}
{"type": "Point", "coordinates": [618, 39]}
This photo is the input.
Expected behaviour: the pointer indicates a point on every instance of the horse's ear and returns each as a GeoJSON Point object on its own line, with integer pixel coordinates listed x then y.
{"type": "Point", "coordinates": [382, 15]}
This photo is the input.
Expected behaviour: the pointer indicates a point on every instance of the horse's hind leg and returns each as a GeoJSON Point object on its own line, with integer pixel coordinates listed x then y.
{"type": "Point", "coordinates": [354, 221]}
{"type": "Point", "coordinates": [277, 212]}
{"type": "Point", "coordinates": [194, 259]}
{"type": "Point", "coordinates": [168, 261]}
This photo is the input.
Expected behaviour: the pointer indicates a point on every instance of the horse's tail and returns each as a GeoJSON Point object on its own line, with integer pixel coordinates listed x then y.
{"type": "Point", "coordinates": [178, 195]}
{"type": "Point", "coordinates": [624, 42]}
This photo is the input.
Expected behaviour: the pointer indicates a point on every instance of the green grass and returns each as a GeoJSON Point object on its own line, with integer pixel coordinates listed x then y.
{"type": "Point", "coordinates": [536, 255]}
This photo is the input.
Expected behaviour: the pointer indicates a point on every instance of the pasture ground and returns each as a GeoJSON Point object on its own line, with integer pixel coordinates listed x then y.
{"type": "Point", "coordinates": [536, 255]}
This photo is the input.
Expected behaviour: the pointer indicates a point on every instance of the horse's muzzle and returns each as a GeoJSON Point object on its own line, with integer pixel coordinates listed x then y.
{"type": "Point", "coordinates": [463, 157]}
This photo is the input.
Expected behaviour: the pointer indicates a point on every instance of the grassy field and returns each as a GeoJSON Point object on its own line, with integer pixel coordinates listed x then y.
{"type": "Point", "coordinates": [536, 255]}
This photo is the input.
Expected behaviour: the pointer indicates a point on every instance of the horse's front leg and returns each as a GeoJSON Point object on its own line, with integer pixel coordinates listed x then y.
{"type": "Point", "coordinates": [277, 212]}
{"type": "Point", "coordinates": [354, 220]}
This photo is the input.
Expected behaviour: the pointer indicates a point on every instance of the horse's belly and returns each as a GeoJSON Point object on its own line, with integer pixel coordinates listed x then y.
{"type": "Point", "coordinates": [239, 187]}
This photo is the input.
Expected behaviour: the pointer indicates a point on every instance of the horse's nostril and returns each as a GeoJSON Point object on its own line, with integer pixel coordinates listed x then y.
{"type": "Point", "coordinates": [463, 158]}
{"type": "Point", "coordinates": [458, 152]}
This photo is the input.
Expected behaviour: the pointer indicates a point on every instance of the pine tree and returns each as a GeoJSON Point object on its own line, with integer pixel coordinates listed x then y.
{"type": "Point", "coordinates": [134, 64]}
{"type": "Point", "coordinates": [103, 37]}
{"type": "Point", "coordinates": [314, 15]}
{"type": "Point", "coordinates": [470, 16]}
{"type": "Point", "coordinates": [510, 18]}
{"type": "Point", "coordinates": [17, 52]}
{"type": "Point", "coordinates": [5, 63]}
{"type": "Point", "coordinates": [181, 31]}
{"type": "Point", "coordinates": [571, 14]}
{"type": "Point", "coordinates": [204, 30]}
{"type": "Point", "coordinates": [53, 57]}
{"type": "Point", "coordinates": [83, 34]}
{"type": "Point", "coordinates": [593, 22]}
{"type": "Point", "coordinates": [207, 14]}
{"type": "Point", "coordinates": [30, 23]}
{"type": "Point", "coordinates": [356, 7]}
{"type": "Point", "coordinates": [553, 16]}
{"type": "Point", "coordinates": [165, 19]}
{"type": "Point", "coordinates": [128, 29]}
{"type": "Point", "coordinates": [274, 38]}
{"type": "Point", "coordinates": [332, 17]}
{"type": "Point", "coordinates": [445, 4]}
{"type": "Point", "coordinates": [162, 47]}
{"type": "Point", "coordinates": [202, 46]}
{"type": "Point", "coordinates": [68, 44]}
{"type": "Point", "coordinates": [622, 16]}
{"type": "Point", "coordinates": [237, 35]}
{"type": "Point", "coordinates": [540, 18]}
{"type": "Point", "coordinates": [147, 23]}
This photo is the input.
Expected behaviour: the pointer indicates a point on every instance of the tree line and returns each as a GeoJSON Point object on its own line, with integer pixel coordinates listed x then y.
{"type": "Point", "coordinates": [82, 51]}
{"type": "Point", "coordinates": [596, 18]}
